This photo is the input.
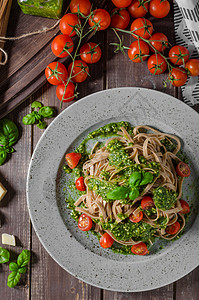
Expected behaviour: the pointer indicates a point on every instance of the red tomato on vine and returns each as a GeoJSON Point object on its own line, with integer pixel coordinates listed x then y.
{"type": "Point", "coordinates": [156, 64]}
{"type": "Point", "coordinates": [68, 23]}
{"type": "Point", "coordinates": [56, 73]}
{"type": "Point", "coordinates": [84, 6]}
{"type": "Point", "coordinates": [159, 41]}
{"type": "Point", "coordinates": [100, 20]}
{"type": "Point", "coordinates": [62, 45]}
{"type": "Point", "coordinates": [90, 53]}
{"type": "Point", "coordinates": [120, 18]}
{"type": "Point", "coordinates": [138, 51]}
{"type": "Point", "coordinates": [138, 8]}
{"type": "Point", "coordinates": [192, 66]}
{"type": "Point", "coordinates": [159, 8]}
{"type": "Point", "coordinates": [65, 94]}
{"type": "Point", "coordinates": [142, 27]}
{"type": "Point", "coordinates": [177, 76]}
{"type": "Point", "coordinates": [121, 3]}
{"type": "Point", "coordinates": [79, 72]}
{"type": "Point", "coordinates": [178, 55]}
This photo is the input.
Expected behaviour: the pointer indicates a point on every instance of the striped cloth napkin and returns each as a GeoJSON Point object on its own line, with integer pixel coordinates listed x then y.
{"type": "Point", "coordinates": [186, 24]}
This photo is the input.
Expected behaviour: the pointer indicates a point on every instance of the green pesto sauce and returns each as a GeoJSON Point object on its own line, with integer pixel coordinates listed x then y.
{"type": "Point", "coordinates": [163, 198]}
{"type": "Point", "coordinates": [101, 187]}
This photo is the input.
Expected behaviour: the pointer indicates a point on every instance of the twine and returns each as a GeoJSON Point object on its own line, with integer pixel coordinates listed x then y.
{"type": "Point", "coordinates": [3, 39]}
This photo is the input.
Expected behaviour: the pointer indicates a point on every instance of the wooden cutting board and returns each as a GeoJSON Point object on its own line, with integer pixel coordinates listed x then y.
{"type": "Point", "coordinates": [28, 57]}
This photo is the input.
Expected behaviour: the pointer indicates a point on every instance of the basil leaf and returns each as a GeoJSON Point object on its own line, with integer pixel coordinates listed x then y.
{"type": "Point", "coordinates": [120, 192]}
{"type": "Point", "coordinates": [4, 255]}
{"type": "Point", "coordinates": [135, 178]}
{"type": "Point", "coordinates": [42, 124]}
{"type": "Point", "coordinates": [8, 132]}
{"type": "Point", "coordinates": [22, 270]}
{"type": "Point", "coordinates": [9, 149]}
{"type": "Point", "coordinates": [147, 178]}
{"type": "Point", "coordinates": [3, 155]}
{"type": "Point", "coordinates": [23, 258]}
{"type": "Point", "coordinates": [13, 266]}
{"type": "Point", "coordinates": [46, 112]}
{"type": "Point", "coordinates": [37, 115]}
{"type": "Point", "coordinates": [13, 279]}
{"type": "Point", "coordinates": [134, 193]}
{"type": "Point", "coordinates": [29, 119]}
{"type": "Point", "coordinates": [36, 104]}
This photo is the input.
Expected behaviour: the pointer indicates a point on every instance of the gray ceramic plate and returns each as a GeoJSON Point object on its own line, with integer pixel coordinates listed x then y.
{"type": "Point", "coordinates": [70, 248]}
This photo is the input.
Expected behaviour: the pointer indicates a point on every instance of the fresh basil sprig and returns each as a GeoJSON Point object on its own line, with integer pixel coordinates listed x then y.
{"type": "Point", "coordinates": [36, 117]}
{"type": "Point", "coordinates": [120, 192]}
{"type": "Point", "coordinates": [4, 255]}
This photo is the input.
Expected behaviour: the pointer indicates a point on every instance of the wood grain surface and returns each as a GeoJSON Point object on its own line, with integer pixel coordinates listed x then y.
{"type": "Point", "coordinates": [45, 279]}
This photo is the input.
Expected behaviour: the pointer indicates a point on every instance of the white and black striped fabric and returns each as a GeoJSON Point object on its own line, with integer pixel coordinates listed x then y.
{"type": "Point", "coordinates": [186, 24]}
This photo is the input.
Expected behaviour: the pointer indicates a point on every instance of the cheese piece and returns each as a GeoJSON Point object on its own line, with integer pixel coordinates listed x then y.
{"type": "Point", "coordinates": [3, 191]}
{"type": "Point", "coordinates": [8, 239]}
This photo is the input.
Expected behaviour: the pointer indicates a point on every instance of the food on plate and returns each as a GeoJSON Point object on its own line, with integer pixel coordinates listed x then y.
{"type": "Point", "coordinates": [127, 188]}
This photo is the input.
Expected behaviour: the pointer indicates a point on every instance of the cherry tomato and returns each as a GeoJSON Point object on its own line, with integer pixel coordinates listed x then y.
{"type": "Point", "coordinates": [142, 27]}
{"type": "Point", "coordinates": [79, 183]}
{"type": "Point", "coordinates": [139, 249]}
{"type": "Point", "coordinates": [73, 159]}
{"type": "Point", "coordinates": [136, 218]}
{"type": "Point", "coordinates": [178, 76]}
{"type": "Point", "coordinates": [106, 241]}
{"type": "Point", "coordinates": [138, 10]}
{"type": "Point", "coordinates": [159, 41]}
{"type": "Point", "coordinates": [56, 73]}
{"type": "Point", "coordinates": [173, 229]}
{"type": "Point", "coordinates": [192, 66]}
{"type": "Point", "coordinates": [85, 223]}
{"type": "Point", "coordinates": [100, 20]}
{"type": "Point", "coordinates": [79, 72]}
{"type": "Point", "coordinates": [178, 55]}
{"type": "Point", "coordinates": [84, 6]}
{"type": "Point", "coordinates": [156, 64]}
{"type": "Point", "coordinates": [147, 202]}
{"type": "Point", "coordinates": [159, 8]}
{"type": "Point", "coordinates": [68, 92]}
{"type": "Point", "coordinates": [61, 45]}
{"type": "Point", "coordinates": [68, 23]}
{"type": "Point", "coordinates": [120, 18]}
{"type": "Point", "coordinates": [90, 53]}
{"type": "Point", "coordinates": [185, 207]}
{"type": "Point", "coordinates": [121, 3]}
{"type": "Point", "coordinates": [183, 169]}
{"type": "Point", "coordinates": [138, 51]}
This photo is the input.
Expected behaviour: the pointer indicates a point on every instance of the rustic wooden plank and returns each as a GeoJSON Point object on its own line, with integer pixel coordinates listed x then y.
{"type": "Point", "coordinates": [13, 208]}
{"type": "Point", "coordinates": [188, 287]}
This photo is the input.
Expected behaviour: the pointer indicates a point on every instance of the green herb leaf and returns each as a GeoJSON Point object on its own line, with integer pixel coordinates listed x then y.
{"type": "Point", "coordinates": [135, 178]}
{"type": "Point", "coordinates": [4, 255]}
{"type": "Point", "coordinates": [42, 124]}
{"type": "Point", "coordinates": [46, 112]}
{"type": "Point", "coordinates": [120, 192]}
{"type": "Point", "coordinates": [22, 270]}
{"type": "Point", "coordinates": [9, 149]}
{"type": "Point", "coordinates": [36, 104]}
{"type": "Point", "coordinates": [134, 193]}
{"type": "Point", "coordinates": [8, 132]}
{"type": "Point", "coordinates": [23, 258]}
{"type": "Point", "coordinates": [147, 178]}
{"type": "Point", "coordinates": [38, 117]}
{"type": "Point", "coordinates": [13, 266]}
{"type": "Point", "coordinates": [13, 279]}
{"type": "Point", "coordinates": [29, 119]}
{"type": "Point", "coordinates": [3, 155]}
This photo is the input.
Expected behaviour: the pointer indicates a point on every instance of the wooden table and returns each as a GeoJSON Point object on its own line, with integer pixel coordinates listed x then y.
{"type": "Point", "coordinates": [45, 279]}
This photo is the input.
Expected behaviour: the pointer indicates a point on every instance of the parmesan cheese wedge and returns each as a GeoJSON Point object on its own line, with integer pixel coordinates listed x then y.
{"type": "Point", "coordinates": [3, 191]}
{"type": "Point", "coordinates": [8, 239]}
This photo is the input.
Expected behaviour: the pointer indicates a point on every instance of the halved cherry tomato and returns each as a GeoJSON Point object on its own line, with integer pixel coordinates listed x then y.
{"type": "Point", "coordinates": [90, 53]}
{"type": "Point", "coordinates": [147, 202]}
{"type": "Point", "coordinates": [142, 27]}
{"type": "Point", "coordinates": [177, 76]}
{"type": "Point", "coordinates": [136, 218]}
{"type": "Point", "coordinates": [73, 159]}
{"type": "Point", "coordinates": [138, 51]}
{"type": "Point", "coordinates": [174, 228]}
{"type": "Point", "coordinates": [120, 18]}
{"type": "Point", "coordinates": [79, 72]}
{"type": "Point", "coordinates": [121, 3]}
{"type": "Point", "coordinates": [62, 45]}
{"type": "Point", "coordinates": [100, 20]}
{"type": "Point", "coordinates": [85, 222]}
{"type": "Point", "coordinates": [178, 55]}
{"type": "Point", "coordinates": [65, 94]}
{"type": "Point", "coordinates": [183, 169]}
{"type": "Point", "coordinates": [159, 8]}
{"type": "Point", "coordinates": [192, 66]}
{"type": "Point", "coordinates": [79, 183]}
{"type": "Point", "coordinates": [159, 41]}
{"type": "Point", "coordinates": [138, 9]}
{"type": "Point", "coordinates": [67, 24]}
{"type": "Point", "coordinates": [156, 64]}
{"type": "Point", "coordinates": [139, 249]}
{"type": "Point", "coordinates": [185, 207]}
{"type": "Point", "coordinates": [56, 73]}
{"type": "Point", "coordinates": [84, 6]}
{"type": "Point", "coordinates": [106, 241]}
